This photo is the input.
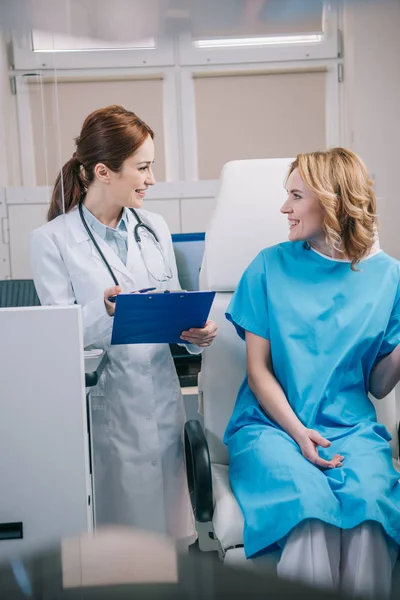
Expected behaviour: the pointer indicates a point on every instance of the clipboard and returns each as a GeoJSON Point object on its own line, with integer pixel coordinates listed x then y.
{"type": "Point", "coordinates": [159, 318]}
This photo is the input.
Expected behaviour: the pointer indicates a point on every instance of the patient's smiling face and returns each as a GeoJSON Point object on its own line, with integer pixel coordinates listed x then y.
{"type": "Point", "coordinates": [304, 211]}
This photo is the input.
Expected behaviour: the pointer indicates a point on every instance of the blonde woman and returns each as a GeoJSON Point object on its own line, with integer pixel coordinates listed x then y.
{"type": "Point", "coordinates": [309, 464]}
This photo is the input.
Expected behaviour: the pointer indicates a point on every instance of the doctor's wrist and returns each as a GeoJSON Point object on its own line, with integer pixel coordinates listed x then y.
{"type": "Point", "coordinates": [110, 308]}
{"type": "Point", "coordinates": [109, 293]}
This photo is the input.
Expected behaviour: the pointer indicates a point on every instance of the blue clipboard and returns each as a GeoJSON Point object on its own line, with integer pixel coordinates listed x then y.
{"type": "Point", "coordinates": [159, 318]}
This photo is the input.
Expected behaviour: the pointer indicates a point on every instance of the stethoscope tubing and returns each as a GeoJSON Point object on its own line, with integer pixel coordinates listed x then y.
{"type": "Point", "coordinates": [135, 234]}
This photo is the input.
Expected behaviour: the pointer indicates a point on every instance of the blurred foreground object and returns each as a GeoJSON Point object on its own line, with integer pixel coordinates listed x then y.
{"type": "Point", "coordinates": [119, 563]}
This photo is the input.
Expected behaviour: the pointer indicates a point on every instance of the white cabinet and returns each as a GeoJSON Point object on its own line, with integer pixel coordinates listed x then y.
{"type": "Point", "coordinates": [45, 479]}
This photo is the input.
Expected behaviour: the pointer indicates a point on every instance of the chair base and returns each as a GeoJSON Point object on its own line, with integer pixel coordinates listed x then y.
{"type": "Point", "coordinates": [207, 540]}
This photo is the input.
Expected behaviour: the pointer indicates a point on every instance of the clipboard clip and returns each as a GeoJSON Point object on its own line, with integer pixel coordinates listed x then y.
{"type": "Point", "coordinates": [143, 291]}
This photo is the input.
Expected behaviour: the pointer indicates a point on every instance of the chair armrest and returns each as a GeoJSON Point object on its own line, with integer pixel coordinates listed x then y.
{"type": "Point", "coordinates": [198, 467]}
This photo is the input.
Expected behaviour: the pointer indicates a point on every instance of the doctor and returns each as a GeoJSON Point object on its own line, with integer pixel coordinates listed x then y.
{"type": "Point", "coordinates": [93, 247]}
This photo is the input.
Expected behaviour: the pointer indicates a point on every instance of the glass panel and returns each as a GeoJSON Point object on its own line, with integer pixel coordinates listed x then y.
{"type": "Point", "coordinates": [52, 137]}
{"type": "Point", "coordinates": [246, 18]}
{"type": "Point", "coordinates": [44, 41]}
{"type": "Point", "coordinates": [249, 42]}
{"type": "Point", "coordinates": [258, 116]}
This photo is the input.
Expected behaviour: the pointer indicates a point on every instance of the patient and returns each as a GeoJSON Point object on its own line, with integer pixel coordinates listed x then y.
{"type": "Point", "coordinates": [309, 465]}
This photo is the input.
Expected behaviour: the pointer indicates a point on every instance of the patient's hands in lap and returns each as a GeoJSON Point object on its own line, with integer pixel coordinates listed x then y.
{"type": "Point", "coordinates": [309, 441]}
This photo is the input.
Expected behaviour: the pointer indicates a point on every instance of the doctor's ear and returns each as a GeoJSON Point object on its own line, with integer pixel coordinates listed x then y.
{"type": "Point", "coordinates": [102, 173]}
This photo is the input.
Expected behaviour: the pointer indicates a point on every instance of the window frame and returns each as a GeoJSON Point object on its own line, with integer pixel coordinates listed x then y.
{"type": "Point", "coordinates": [25, 58]}
{"type": "Point", "coordinates": [328, 48]}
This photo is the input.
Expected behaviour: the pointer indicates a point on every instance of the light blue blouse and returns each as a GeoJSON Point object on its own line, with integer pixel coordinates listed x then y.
{"type": "Point", "coordinates": [116, 238]}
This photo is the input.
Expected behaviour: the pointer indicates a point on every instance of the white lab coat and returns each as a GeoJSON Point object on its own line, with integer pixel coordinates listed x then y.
{"type": "Point", "coordinates": [137, 407]}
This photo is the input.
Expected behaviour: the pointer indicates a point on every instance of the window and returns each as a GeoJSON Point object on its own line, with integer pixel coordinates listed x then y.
{"type": "Point", "coordinates": [274, 115]}
{"type": "Point", "coordinates": [257, 18]}
{"type": "Point", "coordinates": [250, 42]}
{"type": "Point", "coordinates": [44, 41]}
{"type": "Point", "coordinates": [261, 31]}
{"type": "Point", "coordinates": [42, 50]}
{"type": "Point", "coordinates": [54, 128]}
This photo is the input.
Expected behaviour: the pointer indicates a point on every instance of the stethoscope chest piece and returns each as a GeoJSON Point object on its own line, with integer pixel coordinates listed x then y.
{"type": "Point", "coordinates": [155, 256]}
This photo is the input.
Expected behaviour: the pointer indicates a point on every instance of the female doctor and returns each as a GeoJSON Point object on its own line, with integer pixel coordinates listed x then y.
{"type": "Point", "coordinates": [93, 247]}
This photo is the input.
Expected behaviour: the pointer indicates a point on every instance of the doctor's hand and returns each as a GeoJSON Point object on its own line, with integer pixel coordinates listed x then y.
{"type": "Point", "coordinates": [308, 441]}
{"type": "Point", "coordinates": [108, 293]}
{"type": "Point", "coordinates": [201, 337]}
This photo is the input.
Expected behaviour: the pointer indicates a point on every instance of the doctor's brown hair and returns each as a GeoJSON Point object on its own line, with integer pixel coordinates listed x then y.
{"type": "Point", "coordinates": [341, 182]}
{"type": "Point", "coordinates": [109, 135]}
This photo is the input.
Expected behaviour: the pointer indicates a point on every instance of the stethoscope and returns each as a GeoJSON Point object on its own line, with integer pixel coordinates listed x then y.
{"type": "Point", "coordinates": [167, 274]}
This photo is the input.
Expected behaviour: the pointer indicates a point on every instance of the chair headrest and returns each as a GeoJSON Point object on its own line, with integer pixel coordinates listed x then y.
{"type": "Point", "coordinates": [246, 219]}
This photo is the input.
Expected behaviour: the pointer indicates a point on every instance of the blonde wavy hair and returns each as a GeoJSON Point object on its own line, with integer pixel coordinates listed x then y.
{"type": "Point", "coordinates": [341, 182]}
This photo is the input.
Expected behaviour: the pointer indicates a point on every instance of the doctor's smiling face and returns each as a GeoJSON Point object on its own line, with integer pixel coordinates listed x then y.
{"type": "Point", "coordinates": [304, 211]}
{"type": "Point", "coordinates": [111, 167]}
{"type": "Point", "coordinates": [129, 186]}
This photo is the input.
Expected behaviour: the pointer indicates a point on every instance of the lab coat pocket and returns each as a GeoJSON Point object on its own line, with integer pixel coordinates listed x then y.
{"type": "Point", "coordinates": [100, 411]}
{"type": "Point", "coordinates": [100, 389]}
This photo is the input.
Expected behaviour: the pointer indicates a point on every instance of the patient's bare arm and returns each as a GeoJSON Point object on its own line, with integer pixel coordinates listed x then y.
{"type": "Point", "coordinates": [385, 375]}
{"type": "Point", "coordinates": [271, 397]}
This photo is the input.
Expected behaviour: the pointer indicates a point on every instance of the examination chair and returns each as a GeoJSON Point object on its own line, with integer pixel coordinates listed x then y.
{"type": "Point", "coordinates": [246, 219]}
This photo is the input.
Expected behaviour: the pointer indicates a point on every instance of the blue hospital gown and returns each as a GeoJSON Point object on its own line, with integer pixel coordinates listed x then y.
{"type": "Point", "coordinates": [327, 326]}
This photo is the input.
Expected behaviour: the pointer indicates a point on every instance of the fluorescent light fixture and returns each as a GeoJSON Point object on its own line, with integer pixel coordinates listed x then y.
{"type": "Point", "coordinates": [259, 41]}
{"type": "Point", "coordinates": [44, 41]}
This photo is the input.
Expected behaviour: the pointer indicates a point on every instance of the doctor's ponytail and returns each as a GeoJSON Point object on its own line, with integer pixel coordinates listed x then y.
{"type": "Point", "coordinates": [68, 189]}
{"type": "Point", "coordinates": [109, 135]}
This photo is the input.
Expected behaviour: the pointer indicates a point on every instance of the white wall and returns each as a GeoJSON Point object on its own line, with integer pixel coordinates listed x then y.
{"type": "Point", "coordinates": [372, 103]}
{"type": "Point", "coordinates": [186, 207]}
